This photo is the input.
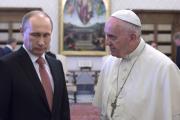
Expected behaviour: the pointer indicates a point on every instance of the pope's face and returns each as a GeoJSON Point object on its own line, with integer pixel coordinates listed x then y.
{"type": "Point", "coordinates": [117, 37]}
{"type": "Point", "coordinates": [37, 34]}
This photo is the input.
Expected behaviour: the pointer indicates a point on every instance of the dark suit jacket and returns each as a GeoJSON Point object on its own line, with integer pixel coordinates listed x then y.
{"type": "Point", "coordinates": [178, 57]}
{"type": "Point", "coordinates": [51, 54]}
{"type": "Point", "coordinates": [6, 50]}
{"type": "Point", "coordinates": [21, 94]}
{"type": "Point", "coordinates": [1, 52]}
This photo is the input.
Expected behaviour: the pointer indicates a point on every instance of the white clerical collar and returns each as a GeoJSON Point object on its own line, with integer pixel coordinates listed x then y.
{"type": "Point", "coordinates": [137, 51]}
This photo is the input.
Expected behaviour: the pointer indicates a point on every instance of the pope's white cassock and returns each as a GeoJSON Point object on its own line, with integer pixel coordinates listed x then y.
{"type": "Point", "coordinates": [150, 84]}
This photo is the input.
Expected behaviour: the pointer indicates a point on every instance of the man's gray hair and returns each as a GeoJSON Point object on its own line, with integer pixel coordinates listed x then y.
{"type": "Point", "coordinates": [28, 15]}
{"type": "Point", "coordinates": [133, 28]}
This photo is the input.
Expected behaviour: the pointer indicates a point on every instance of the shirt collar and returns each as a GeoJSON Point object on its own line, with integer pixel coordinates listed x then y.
{"type": "Point", "coordinates": [9, 46]}
{"type": "Point", "coordinates": [137, 51]}
{"type": "Point", "coordinates": [33, 57]}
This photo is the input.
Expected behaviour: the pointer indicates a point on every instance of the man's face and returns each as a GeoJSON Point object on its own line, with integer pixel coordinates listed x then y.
{"type": "Point", "coordinates": [177, 42]}
{"type": "Point", "coordinates": [37, 34]}
{"type": "Point", "coordinates": [154, 45]}
{"type": "Point", "coordinates": [14, 44]}
{"type": "Point", "coordinates": [117, 38]}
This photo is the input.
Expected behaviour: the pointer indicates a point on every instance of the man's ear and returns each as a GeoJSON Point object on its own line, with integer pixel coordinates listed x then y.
{"type": "Point", "coordinates": [21, 31]}
{"type": "Point", "coordinates": [133, 37]}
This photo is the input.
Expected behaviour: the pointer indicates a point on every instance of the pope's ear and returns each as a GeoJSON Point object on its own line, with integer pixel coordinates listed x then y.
{"type": "Point", "coordinates": [133, 36]}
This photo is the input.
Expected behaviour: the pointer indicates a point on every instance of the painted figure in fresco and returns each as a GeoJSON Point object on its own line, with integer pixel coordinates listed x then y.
{"type": "Point", "coordinates": [84, 10]}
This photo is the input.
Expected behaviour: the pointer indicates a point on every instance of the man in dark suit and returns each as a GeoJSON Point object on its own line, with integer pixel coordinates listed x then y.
{"type": "Point", "coordinates": [1, 52]}
{"type": "Point", "coordinates": [24, 94]}
{"type": "Point", "coordinates": [49, 53]}
{"type": "Point", "coordinates": [10, 46]}
{"type": "Point", "coordinates": [176, 38]}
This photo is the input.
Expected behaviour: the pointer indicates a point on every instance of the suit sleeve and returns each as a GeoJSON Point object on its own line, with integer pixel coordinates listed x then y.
{"type": "Point", "coordinates": [65, 101]}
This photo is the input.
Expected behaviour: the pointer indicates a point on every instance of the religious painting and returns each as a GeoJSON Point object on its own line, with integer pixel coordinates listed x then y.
{"type": "Point", "coordinates": [82, 27]}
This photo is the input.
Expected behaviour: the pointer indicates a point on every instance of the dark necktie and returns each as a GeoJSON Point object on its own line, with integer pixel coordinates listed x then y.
{"type": "Point", "coordinates": [45, 80]}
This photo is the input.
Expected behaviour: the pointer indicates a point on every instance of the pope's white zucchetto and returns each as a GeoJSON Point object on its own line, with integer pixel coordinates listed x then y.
{"type": "Point", "coordinates": [128, 16]}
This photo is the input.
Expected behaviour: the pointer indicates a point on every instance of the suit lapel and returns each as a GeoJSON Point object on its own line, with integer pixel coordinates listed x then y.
{"type": "Point", "coordinates": [31, 74]}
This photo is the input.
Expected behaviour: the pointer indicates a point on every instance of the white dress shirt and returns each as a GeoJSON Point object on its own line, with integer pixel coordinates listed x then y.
{"type": "Point", "coordinates": [36, 66]}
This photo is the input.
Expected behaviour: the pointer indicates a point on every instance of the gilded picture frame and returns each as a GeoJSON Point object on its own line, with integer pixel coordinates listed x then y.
{"type": "Point", "coordinates": [82, 27]}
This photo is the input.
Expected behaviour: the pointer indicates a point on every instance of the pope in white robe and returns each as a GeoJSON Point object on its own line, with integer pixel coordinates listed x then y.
{"type": "Point", "coordinates": [146, 83]}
